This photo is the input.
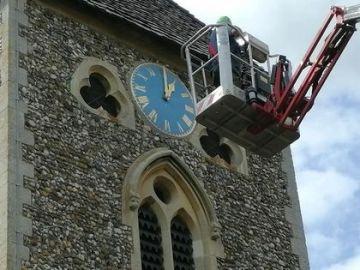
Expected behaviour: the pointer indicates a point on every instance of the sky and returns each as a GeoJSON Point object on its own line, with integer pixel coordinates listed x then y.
{"type": "Point", "coordinates": [326, 157]}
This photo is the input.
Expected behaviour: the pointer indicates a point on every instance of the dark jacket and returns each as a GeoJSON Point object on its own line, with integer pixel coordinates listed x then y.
{"type": "Point", "coordinates": [235, 48]}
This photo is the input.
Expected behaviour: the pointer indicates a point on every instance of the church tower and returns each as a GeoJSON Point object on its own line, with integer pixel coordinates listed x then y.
{"type": "Point", "coordinates": [102, 164]}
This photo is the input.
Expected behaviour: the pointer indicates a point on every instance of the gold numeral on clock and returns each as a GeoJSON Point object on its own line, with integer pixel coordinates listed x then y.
{"type": "Point", "coordinates": [153, 115]}
{"type": "Point", "coordinates": [143, 101]}
{"type": "Point", "coordinates": [142, 76]}
{"type": "Point", "coordinates": [185, 95]}
{"type": "Point", "coordinates": [151, 72]}
{"type": "Point", "coordinates": [141, 88]}
{"type": "Point", "coordinates": [167, 126]}
{"type": "Point", "coordinates": [180, 127]}
{"type": "Point", "coordinates": [189, 109]}
{"type": "Point", "coordinates": [187, 120]}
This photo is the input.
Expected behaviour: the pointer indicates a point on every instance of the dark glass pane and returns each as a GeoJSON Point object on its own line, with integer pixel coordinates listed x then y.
{"type": "Point", "coordinates": [182, 245]}
{"type": "Point", "coordinates": [111, 105]}
{"type": "Point", "coordinates": [94, 95]}
{"type": "Point", "coordinates": [211, 145]}
{"type": "Point", "coordinates": [225, 153]}
{"type": "Point", "coordinates": [162, 191]}
{"type": "Point", "coordinates": [150, 240]}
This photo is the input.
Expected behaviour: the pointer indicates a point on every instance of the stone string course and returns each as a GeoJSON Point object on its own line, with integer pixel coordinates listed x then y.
{"type": "Point", "coordinates": [80, 162]}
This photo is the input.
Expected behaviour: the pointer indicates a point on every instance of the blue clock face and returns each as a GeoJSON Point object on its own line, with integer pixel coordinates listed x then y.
{"type": "Point", "coordinates": [163, 99]}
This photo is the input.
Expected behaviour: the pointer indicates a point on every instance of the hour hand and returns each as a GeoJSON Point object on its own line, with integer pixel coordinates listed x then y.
{"type": "Point", "coordinates": [169, 89]}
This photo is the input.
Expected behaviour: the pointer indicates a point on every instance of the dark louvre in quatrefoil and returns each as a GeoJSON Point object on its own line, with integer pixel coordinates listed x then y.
{"type": "Point", "coordinates": [95, 95]}
{"type": "Point", "coordinates": [225, 153]}
{"type": "Point", "coordinates": [111, 105]}
{"type": "Point", "coordinates": [182, 245]}
{"type": "Point", "coordinates": [150, 240]}
{"type": "Point", "coordinates": [211, 145]}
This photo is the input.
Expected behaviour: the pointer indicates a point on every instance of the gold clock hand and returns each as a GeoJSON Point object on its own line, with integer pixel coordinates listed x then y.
{"type": "Point", "coordinates": [165, 82]}
{"type": "Point", "coordinates": [171, 89]}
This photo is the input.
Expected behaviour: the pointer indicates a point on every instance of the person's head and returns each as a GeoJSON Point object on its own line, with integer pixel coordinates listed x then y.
{"type": "Point", "coordinates": [224, 20]}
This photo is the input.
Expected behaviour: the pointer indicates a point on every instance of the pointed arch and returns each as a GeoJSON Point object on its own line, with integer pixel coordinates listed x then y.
{"type": "Point", "coordinates": [163, 155]}
{"type": "Point", "coordinates": [185, 197]}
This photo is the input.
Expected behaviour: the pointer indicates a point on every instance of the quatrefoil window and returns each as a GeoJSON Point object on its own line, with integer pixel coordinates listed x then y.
{"type": "Point", "coordinates": [98, 87]}
{"type": "Point", "coordinates": [212, 145]}
{"type": "Point", "coordinates": [219, 150]}
{"type": "Point", "coordinates": [96, 95]}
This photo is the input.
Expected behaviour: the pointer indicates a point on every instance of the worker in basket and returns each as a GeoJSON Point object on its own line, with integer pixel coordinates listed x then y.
{"type": "Point", "coordinates": [235, 49]}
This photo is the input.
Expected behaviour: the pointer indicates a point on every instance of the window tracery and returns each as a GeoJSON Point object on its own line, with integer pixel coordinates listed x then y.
{"type": "Point", "coordinates": [190, 232]}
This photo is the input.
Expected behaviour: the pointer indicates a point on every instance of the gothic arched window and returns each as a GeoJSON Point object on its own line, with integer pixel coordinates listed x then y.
{"type": "Point", "coordinates": [173, 223]}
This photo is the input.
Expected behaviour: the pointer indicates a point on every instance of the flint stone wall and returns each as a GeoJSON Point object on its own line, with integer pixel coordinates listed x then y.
{"type": "Point", "coordinates": [81, 160]}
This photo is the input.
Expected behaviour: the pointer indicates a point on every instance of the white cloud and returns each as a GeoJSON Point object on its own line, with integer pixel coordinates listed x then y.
{"type": "Point", "coordinates": [324, 248]}
{"type": "Point", "coordinates": [328, 135]}
{"type": "Point", "coordinates": [352, 263]}
{"type": "Point", "coordinates": [321, 193]}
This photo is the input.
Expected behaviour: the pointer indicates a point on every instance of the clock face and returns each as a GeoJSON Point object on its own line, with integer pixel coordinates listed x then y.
{"type": "Point", "coordinates": [163, 99]}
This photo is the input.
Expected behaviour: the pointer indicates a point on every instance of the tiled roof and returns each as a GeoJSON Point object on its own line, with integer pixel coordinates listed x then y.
{"type": "Point", "coordinates": [164, 18]}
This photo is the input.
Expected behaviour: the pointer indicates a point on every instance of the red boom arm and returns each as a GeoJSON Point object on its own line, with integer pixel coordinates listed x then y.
{"type": "Point", "coordinates": [288, 107]}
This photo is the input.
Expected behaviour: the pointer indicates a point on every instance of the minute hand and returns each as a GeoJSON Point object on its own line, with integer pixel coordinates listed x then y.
{"type": "Point", "coordinates": [165, 82]}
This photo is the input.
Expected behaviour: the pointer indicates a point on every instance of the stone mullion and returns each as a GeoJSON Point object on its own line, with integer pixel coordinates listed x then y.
{"type": "Point", "coordinates": [167, 245]}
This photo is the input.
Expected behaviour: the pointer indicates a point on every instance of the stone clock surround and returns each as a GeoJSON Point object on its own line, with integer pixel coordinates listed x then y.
{"type": "Point", "coordinates": [81, 161]}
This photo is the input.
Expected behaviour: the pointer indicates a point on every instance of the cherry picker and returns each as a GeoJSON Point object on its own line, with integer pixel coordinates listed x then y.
{"type": "Point", "coordinates": [264, 115]}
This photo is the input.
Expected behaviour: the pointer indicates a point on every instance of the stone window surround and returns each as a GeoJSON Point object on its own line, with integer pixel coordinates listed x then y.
{"type": "Point", "coordinates": [189, 201]}
{"type": "Point", "coordinates": [80, 79]}
{"type": "Point", "coordinates": [238, 157]}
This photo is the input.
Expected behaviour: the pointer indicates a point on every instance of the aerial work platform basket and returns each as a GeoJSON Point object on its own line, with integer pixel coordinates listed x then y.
{"type": "Point", "coordinates": [228, 114]}
{"type": "Point", "coordinates": [256, 105]}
